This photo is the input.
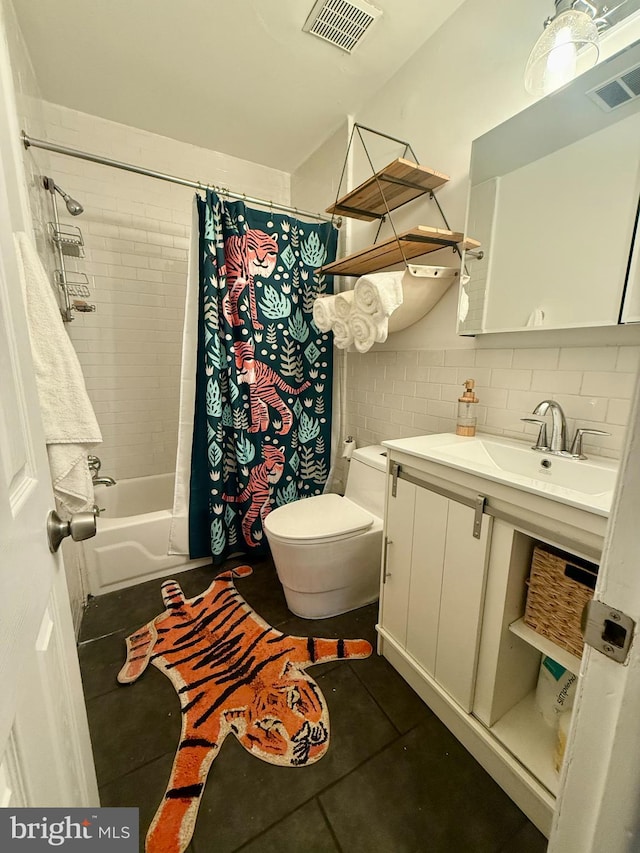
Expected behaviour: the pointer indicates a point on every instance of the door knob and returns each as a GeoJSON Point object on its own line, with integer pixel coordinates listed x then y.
{"type": "Point", "coordinates": [81, 525]}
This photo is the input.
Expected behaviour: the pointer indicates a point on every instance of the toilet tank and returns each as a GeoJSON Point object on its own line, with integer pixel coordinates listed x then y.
{"type": "Point", "coordinates": [366, 478]}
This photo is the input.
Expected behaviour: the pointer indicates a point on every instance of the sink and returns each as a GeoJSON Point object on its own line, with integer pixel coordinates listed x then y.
{"type": "Point", "coordinates": [587, 484]}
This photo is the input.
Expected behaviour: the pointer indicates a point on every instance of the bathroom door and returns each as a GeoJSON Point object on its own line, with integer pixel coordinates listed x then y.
{"type": "Point", "coordinates": [598, 803]}
{"type": "Point", "coordinates": [45, 752]}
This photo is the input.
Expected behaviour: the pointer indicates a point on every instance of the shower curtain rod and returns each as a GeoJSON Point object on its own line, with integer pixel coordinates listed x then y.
{"type": "Point", "coordinates": [32, 142]}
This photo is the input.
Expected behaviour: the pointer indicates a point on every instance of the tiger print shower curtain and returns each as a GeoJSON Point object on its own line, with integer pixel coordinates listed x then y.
{"type": "Point", "coordinates": [262, 421]}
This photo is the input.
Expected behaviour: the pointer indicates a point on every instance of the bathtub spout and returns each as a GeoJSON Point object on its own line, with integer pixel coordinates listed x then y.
{"type": "Point", "coordinates": [104, 481]}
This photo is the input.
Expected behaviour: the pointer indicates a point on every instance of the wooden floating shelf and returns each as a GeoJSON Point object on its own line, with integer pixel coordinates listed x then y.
{"type": "Point", "coordinates": [401, 181]}
{"type": "Point", "coordinates": [417, 241]}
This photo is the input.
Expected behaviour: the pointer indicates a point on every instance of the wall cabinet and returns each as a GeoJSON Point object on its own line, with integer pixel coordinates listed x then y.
{"type": "Point", "coordinates": [451, 613]}
{"type": "Point", "coordinates": [554, 200]}
{"type": "Point", "coordinates": [631, 304]}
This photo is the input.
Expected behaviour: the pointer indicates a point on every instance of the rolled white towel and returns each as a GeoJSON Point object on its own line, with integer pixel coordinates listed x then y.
{"type": "Point", "coordinates": [343, 304]}
{"type": "Point", "coordinates": [367, 329]}
{"type": "Point", "coordinates": [342, 335]}
{"type": "Point", "coordinates": [380, 293]}
{"type": "Point", "coordinates": [324, 312]}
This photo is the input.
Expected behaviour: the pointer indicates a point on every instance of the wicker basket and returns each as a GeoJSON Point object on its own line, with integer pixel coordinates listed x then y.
{"type": "Point", "coordinates": [559, 587]}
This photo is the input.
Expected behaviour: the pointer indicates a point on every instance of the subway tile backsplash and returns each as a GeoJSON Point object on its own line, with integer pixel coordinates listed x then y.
{"type": "Point", "coordinates": [593, 385]}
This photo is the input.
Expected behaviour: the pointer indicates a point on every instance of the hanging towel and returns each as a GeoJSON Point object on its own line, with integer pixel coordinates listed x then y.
{"type": "Point", "coordinates": [343, 304]}
{"type": "Point", "coordinates": [367, 329]}
{"type": "Point", "coordinates": [380, 293]}
{"type": "Point", "coordinates": [70, 426]}
{"type": "Point", "coordinates": [324, 312]}
{"type": "Point", "coordinates": [342, 334]}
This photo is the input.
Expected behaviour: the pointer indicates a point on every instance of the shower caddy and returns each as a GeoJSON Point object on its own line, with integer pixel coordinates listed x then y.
{"type": "Point", "coordinates": [68, 242]}
{"type": "Point", "coordinates": [396, 184]}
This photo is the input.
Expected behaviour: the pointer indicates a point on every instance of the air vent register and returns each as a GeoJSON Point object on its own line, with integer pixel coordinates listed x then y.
{"type": "Point", "coordinates": [343, 23]}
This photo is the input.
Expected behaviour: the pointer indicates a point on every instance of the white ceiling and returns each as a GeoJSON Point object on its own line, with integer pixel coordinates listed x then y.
{"type": "Point", "coordinates": [237, 76]}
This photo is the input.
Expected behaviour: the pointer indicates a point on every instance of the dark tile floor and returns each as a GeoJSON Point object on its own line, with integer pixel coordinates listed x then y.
{"type": "Point", "coordinates": [393, 781]}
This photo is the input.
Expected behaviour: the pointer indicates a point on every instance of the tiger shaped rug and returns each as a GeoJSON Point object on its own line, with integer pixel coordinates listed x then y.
{"type": "Point", "coordinates": [234, 674]}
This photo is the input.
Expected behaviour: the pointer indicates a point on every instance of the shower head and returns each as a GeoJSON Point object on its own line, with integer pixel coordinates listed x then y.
{"type": "Point", "coordinates": [74, 207]}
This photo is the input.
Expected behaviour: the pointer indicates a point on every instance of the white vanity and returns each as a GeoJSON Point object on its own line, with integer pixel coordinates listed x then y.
{"type": "Point", "coordinates": [461, 520]}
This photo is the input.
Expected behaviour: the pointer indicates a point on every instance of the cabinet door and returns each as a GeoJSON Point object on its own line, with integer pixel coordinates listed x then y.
{"type": "Point", "coordinates": [429, 538]}
{"type": "Point", "coordinates": [631, 306]}
{"type": "Point", "coordinates": [461, 602]}
{"type": "Point", "coordinates": [399, 536]}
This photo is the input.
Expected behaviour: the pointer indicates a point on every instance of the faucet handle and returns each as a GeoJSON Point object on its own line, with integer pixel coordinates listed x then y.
{"type": "Point", "coordinates": [576, 446]}
{"type": "Point", "coordinates": [541, 442]}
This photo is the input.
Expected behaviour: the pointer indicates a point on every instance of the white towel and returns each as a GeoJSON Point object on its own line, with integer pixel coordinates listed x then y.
{"type": "Point", "coordinates": [367, 329]}
{"type": "Point", "coordinates": [380, 293]}
{"type": "Point", "coordinates": [343, 304]}
{"type": "Point", "coordinates": [342, 334]}
{"type": "Point", "coordinates": [324, 312]}
{"type": "Point", "coordinates": [70, 426]}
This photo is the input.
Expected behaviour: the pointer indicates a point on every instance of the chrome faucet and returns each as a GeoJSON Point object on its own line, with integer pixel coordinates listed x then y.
{"type": "Point", "coordinates": [103, 481]}
{"type": "Point", "coordinates": [558, 440]}
{"type": "Point", "coordinates": [558, 443]}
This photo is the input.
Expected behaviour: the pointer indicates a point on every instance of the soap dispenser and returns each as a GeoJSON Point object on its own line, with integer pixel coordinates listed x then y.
{"type": "Point", "coordinates": [467, 419]}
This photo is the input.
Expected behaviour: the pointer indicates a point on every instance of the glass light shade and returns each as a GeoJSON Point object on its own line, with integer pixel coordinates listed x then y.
{"type": "Point", "coordinates": [552, 62]}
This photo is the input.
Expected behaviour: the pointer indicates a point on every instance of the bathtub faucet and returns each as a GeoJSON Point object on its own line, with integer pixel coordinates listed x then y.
{"type": "Point", "coordinates": [95, 464]}
{"type": "Point", "coordinates": [103, 481]}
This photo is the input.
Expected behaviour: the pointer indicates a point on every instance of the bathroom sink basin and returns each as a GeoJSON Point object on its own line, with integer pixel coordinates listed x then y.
{"type": "Point", "coordinates": [587, 483]}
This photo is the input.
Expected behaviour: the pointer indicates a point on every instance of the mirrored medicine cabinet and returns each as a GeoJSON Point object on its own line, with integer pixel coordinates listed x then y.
{"type": "Point", "coordinates": [554, 201]}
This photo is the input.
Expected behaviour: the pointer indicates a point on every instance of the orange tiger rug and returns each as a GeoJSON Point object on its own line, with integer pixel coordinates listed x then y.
{"type": "Point", "coordinates": [234, 674]}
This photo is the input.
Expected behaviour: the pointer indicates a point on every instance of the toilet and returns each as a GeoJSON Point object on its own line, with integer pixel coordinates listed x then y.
{"type": "Point", "coordinates": [327, 548]}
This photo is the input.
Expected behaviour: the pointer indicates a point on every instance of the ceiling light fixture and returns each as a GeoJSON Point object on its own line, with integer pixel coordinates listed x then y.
{"type": "Point", "coordinates": [553, 60]}
{"type": "Point", "coordinates": [570, 40]}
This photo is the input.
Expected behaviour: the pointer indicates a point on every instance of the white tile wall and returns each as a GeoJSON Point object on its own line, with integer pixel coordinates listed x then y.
{"type": "Point", "coordinates": [389, 397]}
{"type": "Point", "coordinates": [136, 232]}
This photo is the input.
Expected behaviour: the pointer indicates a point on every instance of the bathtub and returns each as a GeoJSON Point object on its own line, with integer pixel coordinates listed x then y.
{"type": "Point", "coordinates": [133, 534]}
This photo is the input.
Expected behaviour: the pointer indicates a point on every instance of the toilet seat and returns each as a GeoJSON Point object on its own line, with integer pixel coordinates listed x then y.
{"type": "Point", "coordinates": [323, 518]}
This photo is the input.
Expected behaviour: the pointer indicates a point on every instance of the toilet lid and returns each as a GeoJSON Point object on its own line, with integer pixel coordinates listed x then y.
{"type": "Point", "coordinates": [319, 517]}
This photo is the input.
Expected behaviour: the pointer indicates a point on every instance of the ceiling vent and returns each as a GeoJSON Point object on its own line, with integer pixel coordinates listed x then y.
{"type": "Point", "coordinates": [342, 23]}
{"type": "Point", "coordinates": [614, 93]}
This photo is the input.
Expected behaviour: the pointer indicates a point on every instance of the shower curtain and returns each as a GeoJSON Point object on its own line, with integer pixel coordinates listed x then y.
{"type": "Point", "coordinates": [262, 416]}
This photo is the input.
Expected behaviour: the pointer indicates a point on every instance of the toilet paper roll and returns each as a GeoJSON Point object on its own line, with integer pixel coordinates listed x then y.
{"type": "Point", "coordinates": [348, 447]}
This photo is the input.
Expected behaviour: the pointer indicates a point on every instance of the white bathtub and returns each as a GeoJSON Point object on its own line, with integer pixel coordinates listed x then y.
{"type": "Point", "coordinates": [133, 535]}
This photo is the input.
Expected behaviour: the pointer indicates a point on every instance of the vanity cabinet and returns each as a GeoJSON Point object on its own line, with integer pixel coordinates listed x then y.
{"type": "Point", "coordinates": [434, 583]}
{"type": "Point", "coordinates": [452, 607]}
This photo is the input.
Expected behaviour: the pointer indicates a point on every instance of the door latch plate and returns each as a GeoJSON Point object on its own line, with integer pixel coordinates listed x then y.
{"type": "Point", "coordinates": [608, 630]}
